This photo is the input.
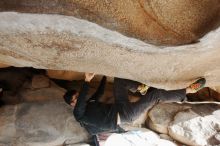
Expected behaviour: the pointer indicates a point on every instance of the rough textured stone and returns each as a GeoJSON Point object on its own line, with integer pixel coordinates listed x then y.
{"type": "Point", "coordinates": [154, 21]}
{"type": "Point", "coordinates": [191, 124]}
{"type": "Point", "coordinates": [66, 43]}
{"type": "Point", "coordinates": [192, 129]}
{"type": "Point", "coordinates": [161, 115]}
{"type": "Point", "coordinates": [45, 124]}
{"type": "Point", "coordinates": [198, 126]}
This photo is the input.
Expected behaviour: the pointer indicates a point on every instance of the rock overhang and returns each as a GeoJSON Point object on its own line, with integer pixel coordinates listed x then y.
{"type": "Point", "coordinates": [67, 43]}
{"type": "Point", "coordinates": [158, 22]}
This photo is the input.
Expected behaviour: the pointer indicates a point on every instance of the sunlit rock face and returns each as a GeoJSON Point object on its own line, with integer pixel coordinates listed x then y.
{"type": "Point", "coordinates": [191, 124]}
{"type": "Point", "coordinates": [154, 21]}
{"type": "Point", "coordinates": [119, 38]}
{"type": "Point", "coordinates": [194, 128]}
{"type": "Point", "coordinates": [67, 43]}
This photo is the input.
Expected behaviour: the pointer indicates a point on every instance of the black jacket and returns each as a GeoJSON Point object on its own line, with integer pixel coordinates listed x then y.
{"type": "Point", "coordinates": [95, 116]}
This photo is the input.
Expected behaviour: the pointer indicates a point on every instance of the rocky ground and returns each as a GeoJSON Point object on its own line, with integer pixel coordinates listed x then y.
{"type": "Point", "coordinates": [37, 115]}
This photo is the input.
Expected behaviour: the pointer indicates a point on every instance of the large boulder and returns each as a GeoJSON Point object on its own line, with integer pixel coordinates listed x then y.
{"type": "Point", "coordinates": [191, 124]}
{"type": "Point", "coordinates": [67, 43]}
{"type": "Point", "coordinates": [39, 123]}
{"type": "Point", "coordinates": [200, 127]}
{"type": "Point", "coordinates": [159, 22]}
{"type": "Point", "coordinates": [162, 115]}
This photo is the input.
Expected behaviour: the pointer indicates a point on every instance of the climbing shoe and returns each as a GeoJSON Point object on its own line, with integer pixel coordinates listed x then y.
{"type": "Point", "coordinates": [199, 84]}
{"type": "Point", "coordinates": [142, 89]}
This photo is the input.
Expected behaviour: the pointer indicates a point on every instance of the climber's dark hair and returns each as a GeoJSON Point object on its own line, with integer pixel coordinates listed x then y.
{"type": "Point", "coordinates": [68, 96]}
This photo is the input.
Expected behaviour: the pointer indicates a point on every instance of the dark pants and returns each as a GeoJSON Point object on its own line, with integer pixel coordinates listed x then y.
{"type": "Point", "coordinates": [129, 111]}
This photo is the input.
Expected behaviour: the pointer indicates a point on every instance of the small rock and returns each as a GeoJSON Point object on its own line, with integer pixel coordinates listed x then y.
{"type": "Point", "coordinates": [40, 81]}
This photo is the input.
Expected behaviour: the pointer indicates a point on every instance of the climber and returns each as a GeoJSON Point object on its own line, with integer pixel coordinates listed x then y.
{"type": "Point", "coordinates": [99, 117]}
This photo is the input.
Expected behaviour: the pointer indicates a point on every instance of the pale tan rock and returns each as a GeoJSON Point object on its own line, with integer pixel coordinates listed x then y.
{"type": "Point", "coordinates": [42, 123]}
{"type": "Point", "coordinates": [191, 124]}
{"type": "Point", "coordinates": [65, 43]}
{"type": "Point", "coordinates": [155, 21]}
{"type": "Point", "coordinates": [198, 126]}
{"type": "Point", "coordinates": [40, 81]}
{"type": "Point", "coordinates": [161, 115]}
